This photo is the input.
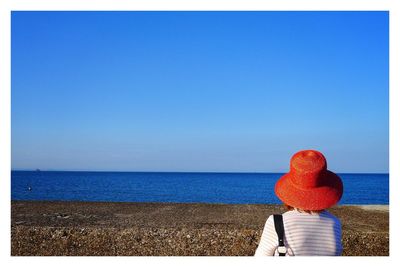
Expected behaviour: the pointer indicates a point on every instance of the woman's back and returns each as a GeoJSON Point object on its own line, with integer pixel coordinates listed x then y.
{"type": "Point", "coordinates": [305, 235]}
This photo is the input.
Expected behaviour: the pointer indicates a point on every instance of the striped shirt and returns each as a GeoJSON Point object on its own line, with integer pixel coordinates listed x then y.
{"type": "Point", "coordinates": [305, 235]}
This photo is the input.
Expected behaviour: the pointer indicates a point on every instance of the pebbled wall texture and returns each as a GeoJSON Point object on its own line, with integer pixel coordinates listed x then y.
{"type": "Point", "coordinates": [151, 229]}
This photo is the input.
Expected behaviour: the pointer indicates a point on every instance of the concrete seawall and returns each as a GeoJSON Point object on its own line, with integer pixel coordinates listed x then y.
{"type": "Point", "coordinates": [150, 229]}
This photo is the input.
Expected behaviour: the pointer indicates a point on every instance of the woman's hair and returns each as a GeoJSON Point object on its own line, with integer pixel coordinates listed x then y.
{"type": "Point", "coordinates": [300, 210]}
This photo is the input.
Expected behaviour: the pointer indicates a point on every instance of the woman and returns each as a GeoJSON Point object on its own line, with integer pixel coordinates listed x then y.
{"type": "Point", "coordinates": [307, 190]}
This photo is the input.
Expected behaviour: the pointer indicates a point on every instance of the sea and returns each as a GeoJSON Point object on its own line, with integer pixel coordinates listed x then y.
{"type": "Point", "coordinates": [179, 187]}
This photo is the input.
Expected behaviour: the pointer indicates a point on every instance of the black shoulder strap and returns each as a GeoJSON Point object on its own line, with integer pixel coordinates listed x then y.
{"type": "Point", "coordinates": [278, 221]}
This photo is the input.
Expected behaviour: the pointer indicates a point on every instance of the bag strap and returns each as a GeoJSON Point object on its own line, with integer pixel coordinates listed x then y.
{"type": "Point", "coordinates": [278, 221]}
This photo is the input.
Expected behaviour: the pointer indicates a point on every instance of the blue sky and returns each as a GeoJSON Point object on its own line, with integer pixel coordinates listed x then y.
{"type": "Point", "coordinates": [199, 91]}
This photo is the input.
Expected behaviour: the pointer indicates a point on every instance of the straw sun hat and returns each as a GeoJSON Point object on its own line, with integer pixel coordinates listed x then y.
{"type": "Point", "coordinates": [309, 185]}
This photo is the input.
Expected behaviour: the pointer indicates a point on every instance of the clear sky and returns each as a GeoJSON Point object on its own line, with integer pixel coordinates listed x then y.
{"type": "Point", "coordinates": [199, 91]}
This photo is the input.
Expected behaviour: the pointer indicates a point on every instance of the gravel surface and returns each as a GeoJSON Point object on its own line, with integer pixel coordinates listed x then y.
{"type": "Point", "coordinates": [150, 229]}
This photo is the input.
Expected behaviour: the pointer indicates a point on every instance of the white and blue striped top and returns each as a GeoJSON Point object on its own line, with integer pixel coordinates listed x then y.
{"type": "Point", "coordinates": [305, 235]}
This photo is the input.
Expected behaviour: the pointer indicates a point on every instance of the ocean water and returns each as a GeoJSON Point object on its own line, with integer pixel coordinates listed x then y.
{"type": "Point", "coordinates": [232, 188]}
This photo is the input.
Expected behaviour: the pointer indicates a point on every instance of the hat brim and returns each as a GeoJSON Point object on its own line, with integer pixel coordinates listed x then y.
{"type": "Point", "coordinates": [318, 198]}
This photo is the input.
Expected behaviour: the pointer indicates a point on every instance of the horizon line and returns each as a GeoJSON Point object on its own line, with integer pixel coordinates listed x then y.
{"type": "Point", "coordinates": [255, 172]}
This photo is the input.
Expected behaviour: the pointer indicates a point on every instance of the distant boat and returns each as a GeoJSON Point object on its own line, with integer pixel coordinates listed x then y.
{"type": "Point", "coordinates": [38, 170]}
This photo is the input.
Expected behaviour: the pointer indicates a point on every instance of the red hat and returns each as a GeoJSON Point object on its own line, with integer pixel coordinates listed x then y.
{"type": "Point", "coordinates": [309, 185]}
